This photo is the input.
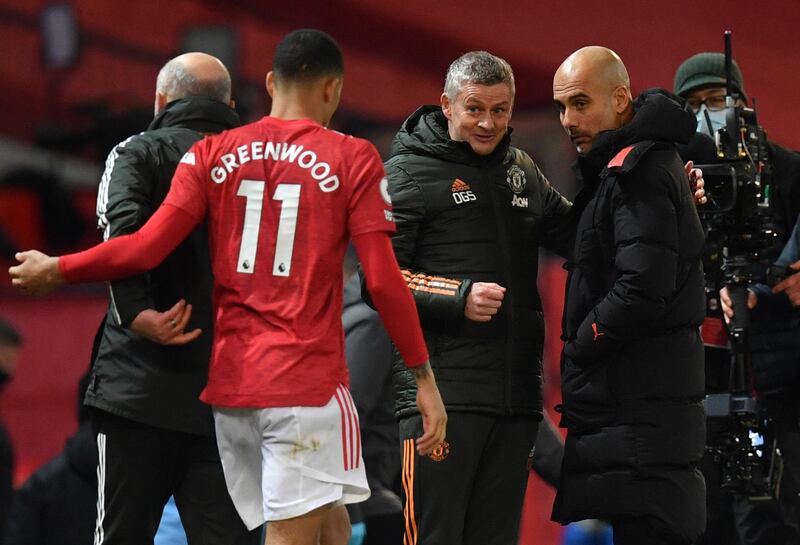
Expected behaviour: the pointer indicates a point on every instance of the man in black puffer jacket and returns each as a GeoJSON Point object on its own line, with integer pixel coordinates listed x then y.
{"type": "Point", "coordinates": [632, 366]}
{"type": "Point", "coordinates": [471, 212]}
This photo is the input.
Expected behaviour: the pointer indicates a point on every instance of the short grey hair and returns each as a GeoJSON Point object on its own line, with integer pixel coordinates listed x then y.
{"type": "Point", "coordinates": [176, 81]}
{"type": "Point", "coordinates": [477, 67]}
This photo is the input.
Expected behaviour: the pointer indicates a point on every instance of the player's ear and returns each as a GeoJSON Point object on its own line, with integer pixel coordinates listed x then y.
{"type": "Point", "coordinates": [270, 83]}
{"type": "Point", "coordinates": [333, 89]}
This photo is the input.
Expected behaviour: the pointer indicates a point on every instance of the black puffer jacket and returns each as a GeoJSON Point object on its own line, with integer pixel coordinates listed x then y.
{"type": "Point", "coordinates": [463, 218]}
{"type": "Point", "coordinates": [632, 367]}
{"type": "Point", "coordinates": [133, 377]}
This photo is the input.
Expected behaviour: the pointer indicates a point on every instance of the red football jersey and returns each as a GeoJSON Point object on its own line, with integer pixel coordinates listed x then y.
{"type": "Point", "coordinates": [282, 198]}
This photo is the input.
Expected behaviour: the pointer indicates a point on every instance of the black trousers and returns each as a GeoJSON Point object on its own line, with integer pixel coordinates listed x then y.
{"type": "Point", "coordinates": [644, 531]}
{"type": "Point", "coordinates": [471, 491]}
{"type": "Point", "coordinates": [140, 467]}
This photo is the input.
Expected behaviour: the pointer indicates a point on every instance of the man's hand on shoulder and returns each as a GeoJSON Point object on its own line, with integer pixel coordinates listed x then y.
{"type": "Point", "coordinates": [166, 327]}
{"type": "Point", "coordinates": [36, 274]}
{"type": "Point", "coordinates": [696, 183]}
{"type": "Point", "coordinates": [483, 301]}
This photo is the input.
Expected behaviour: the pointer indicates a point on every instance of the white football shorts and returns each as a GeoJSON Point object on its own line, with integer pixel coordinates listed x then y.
{"type": "Point", "coordinates": [284, 462]}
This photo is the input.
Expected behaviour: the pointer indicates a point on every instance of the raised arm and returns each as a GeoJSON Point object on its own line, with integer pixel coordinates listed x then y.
{"type": "Point", "coordinates": [120, 257]}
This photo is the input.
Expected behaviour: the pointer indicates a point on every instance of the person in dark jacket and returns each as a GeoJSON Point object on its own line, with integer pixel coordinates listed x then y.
{"type": "Point", "coordinates": [773, 340]}
{"type": "Point", "coordinates": [700, 79]}
{"type": "Point", "coordinates": [776, 307]}
{"type": "Point", "coordinates": [471, 212]}
{"type": "Point", "coordinates": [56, 505]}
{"type": "Point", "coordinates": [155, 437]}
{"type": "Point", "coordinates": [10, 346]}
{"type": "Point", "coordinates": [632, 365]}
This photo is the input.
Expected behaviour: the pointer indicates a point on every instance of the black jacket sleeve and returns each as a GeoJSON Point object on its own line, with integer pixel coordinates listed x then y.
{"type": "Point", "coordinates": [646, 258]}
{"type": "Point", "coordinates": [438, 298]}
{"type": "Point", "coordinates": [548, 453]}
{"type": "Point", "coordinates": [124, 203]}
{"type": "Point", "coordinates": [558, 225]}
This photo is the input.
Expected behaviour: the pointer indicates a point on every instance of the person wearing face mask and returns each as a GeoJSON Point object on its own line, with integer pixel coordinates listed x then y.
{"type": "Point", "coordinates": [774, 343]}
{"type": "Point", "coordinates": [700, 79]}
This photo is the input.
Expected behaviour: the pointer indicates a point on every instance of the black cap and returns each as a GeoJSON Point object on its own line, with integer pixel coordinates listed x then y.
{"type": "Point", "coordinates": [706, 70]}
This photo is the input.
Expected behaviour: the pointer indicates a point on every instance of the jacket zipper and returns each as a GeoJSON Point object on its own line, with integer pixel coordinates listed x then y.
{"type": "Point", "coordinates": [508, 300]}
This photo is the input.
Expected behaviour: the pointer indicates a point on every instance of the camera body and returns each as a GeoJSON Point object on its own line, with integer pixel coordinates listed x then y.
{"type": "Point", "coordinates": [746, 450]}
{"type": "Point", "coordinates": [743, 239]}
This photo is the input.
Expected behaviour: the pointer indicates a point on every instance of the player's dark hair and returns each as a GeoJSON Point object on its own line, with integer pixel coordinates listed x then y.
{"type": "Point", "coordinates": [307, 54]}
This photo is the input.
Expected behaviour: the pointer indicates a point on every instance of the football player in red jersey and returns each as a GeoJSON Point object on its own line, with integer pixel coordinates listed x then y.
{"type": "Point", "coordinates": [282, 197]}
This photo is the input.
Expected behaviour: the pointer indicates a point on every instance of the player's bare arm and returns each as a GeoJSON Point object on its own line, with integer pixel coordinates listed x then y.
{"type": "Point", "coordinates": [431, 407]}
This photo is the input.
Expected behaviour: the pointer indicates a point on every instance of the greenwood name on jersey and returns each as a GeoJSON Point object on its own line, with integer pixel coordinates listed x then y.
{"type": "Point", "coordinates": [282, 199]}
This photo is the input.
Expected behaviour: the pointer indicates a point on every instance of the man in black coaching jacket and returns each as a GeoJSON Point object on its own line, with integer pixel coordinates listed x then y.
{"type": "Point", "coordinates": [155, 437]}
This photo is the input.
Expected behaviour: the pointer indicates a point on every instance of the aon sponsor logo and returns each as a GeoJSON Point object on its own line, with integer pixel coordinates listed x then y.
{"type": "Point", "coordinates": [519, 202]}
{"type": "Point", "coordinates": [463, 196]}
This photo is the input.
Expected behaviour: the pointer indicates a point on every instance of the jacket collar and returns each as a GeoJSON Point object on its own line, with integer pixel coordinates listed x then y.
{"type": "Point", "coordinates": [659, 117]}
{"type": "Point", "coordinates": [425, 133]}
{"type": "Point", "coordinates": [201, 114]}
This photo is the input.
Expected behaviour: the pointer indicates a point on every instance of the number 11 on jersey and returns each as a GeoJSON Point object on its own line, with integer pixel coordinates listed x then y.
{"type": "Point", "coordinates": [289, 195]}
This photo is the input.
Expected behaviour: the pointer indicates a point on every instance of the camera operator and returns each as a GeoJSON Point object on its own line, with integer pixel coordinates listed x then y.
{"type": "Point", "coordinates": [773, 329]}
{"type": "Point", "coordinates": [701, 81]}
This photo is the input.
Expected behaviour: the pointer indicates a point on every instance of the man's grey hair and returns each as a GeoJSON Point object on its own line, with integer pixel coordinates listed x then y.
{"type": "Point", "coordinates": [175, 81]}
{"type": "Point", "coordinates": [480, 68]}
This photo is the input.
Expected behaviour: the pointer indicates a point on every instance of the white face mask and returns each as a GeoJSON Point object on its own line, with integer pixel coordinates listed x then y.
{"type": "Point", "coordinates": [706, 117]}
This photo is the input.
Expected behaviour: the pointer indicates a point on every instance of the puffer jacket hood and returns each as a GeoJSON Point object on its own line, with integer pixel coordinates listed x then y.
{"type": "Point", "coordinates": [659, 116]}
{"type": "Point", "coordinates": [202, 114]}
